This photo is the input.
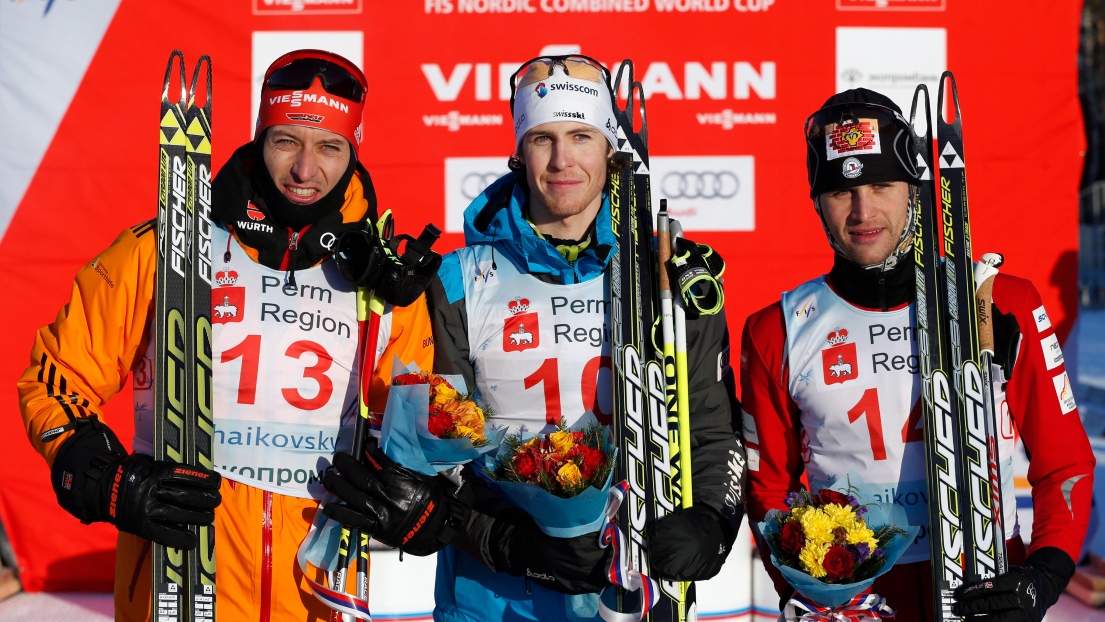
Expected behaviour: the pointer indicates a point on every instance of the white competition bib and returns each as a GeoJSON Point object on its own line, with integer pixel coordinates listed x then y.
{"type": "Point", "coordinates": [855, 377]}
{"type": "Point", "coordinates": [540, 351]}
{"type": "Point", "coordinates": [285, 372]}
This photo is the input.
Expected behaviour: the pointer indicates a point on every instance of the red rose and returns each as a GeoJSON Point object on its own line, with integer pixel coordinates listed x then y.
{"type": "Point", "coordinates": [407, 379]}
{"type": "Point", "coordinates": [525, 465]}
{"type": "Point", "coordinates": [577, 437]}
{"type": "Point", "coordinates": [825, 497]}
{"type": "Point", "coordinates": [791, 538]}
{"type": "Point", "coordinates": [593, 460]}
{"type": "Point", "coordinates": [838, 563]}
{"type": "Point", "coordinates": [441, 424]}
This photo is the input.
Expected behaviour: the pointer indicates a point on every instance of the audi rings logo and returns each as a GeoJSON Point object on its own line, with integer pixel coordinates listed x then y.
{"type": "Point", "coordinates": [707, 193]}
{"type": "Point", "coordinates": [465, 179]}
{"type": "Point", "coordinates": [700, 185]}
{"type": "Point", "coordinates": [472, 184]}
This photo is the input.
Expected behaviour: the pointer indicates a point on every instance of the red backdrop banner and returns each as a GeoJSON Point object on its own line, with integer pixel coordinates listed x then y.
{"type": "Point", "coordinates": [730, 84]}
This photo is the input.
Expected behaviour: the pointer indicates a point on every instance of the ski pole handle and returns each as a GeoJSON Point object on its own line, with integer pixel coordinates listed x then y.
{"type": "Point", "coordinates": [985, 272]}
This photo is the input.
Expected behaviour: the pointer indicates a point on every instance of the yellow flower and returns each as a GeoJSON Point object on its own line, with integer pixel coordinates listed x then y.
{"type": "Point", "coordinates": [464, 431]}
{"type": "Point", "coordinates": [812, 556]}
{"type": "Point", "coordinates": [860, 532]}
{"type": "Point", "coordinates": [561, 441]}
{"type": "Point", "coordinates": [568, 475]}
{"type": "Point", "coordinates": [797, 512]}
{"type": "Point", "coordinates": [444, 394]}
{"type": "Point", "coordinates": [842, 516]}
{"type": "Point", "coordinates": [466, 413]}
{"type": "Point", "coordinates": [530, 443]}
{"type": "Point", "coordinates": [817, 527]}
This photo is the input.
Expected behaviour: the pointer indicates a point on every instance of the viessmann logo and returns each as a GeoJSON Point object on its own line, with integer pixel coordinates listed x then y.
{"type": "Point", "coordinates": [691, 80]}
{"type": "Point", "coordinates": [300, 7]}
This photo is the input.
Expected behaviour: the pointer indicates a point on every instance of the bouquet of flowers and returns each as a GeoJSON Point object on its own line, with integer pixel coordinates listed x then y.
{"type": "Point", "coordinates": [432, 424]}
{"type": "Point", "coordinates": [564, 463]}
{"type": "Point", "coordinates": [561, 478]}
{"type": "Point", "coordinates": [830, 548]}
{"type": "Point", "coordinates": [451, 414]}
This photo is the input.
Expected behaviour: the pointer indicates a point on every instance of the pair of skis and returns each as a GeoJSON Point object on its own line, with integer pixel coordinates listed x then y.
{"type": "Point", "coordinates": [184, 581]}
{"type": "Point", "coordinates": [966, 530]}
{"type": "Point", "coordinates": [650, 419]}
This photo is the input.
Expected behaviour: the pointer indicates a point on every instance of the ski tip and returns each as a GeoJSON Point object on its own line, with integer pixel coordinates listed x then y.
{"type": "Point", "coordinates": [176, 63]}
{"type": "Point", "coordinates": [947, 84]}
{"type": "Point", "coordinates": [194, 90]}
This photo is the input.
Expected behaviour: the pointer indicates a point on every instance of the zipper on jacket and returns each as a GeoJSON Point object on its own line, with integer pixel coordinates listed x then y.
{"type": "Point", "coordinates": [289, 256]}
{"type": "Point", "coordinates": [266, 557]}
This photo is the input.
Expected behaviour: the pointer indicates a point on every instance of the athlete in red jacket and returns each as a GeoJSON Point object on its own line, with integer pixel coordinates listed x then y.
{"type": "Point", "coordinates": [830, 381]}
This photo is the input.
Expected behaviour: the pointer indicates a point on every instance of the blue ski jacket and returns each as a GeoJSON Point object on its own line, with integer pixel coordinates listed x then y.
{"type": "Point", "coordinates": [469, 584]}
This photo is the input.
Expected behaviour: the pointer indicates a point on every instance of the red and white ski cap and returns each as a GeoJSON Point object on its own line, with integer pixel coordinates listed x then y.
{"type": "Point", "coordinates": [313, 88]}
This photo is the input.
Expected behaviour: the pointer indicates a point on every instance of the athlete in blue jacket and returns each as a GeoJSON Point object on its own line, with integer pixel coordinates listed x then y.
{"type": "Point", "coordinates": [522, 313]}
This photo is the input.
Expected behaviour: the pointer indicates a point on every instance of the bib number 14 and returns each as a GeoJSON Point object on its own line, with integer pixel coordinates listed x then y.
{"type": "Point", "coordinates": [868, 407]}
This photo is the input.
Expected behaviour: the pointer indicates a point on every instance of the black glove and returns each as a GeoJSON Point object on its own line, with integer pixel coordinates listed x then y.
{"type": "Point", "coordinates": [689, 544]}
{"type": "Point", "coordinates": [567, 565]}
{"type": "Point", "coordinates": [1023, 593]}
{"type": "Point", "coordinates": [418, 514]}
{"type": "Point", "coordinates": [95, 480]}
{"type": "Point", "coordinates": [399, 277]}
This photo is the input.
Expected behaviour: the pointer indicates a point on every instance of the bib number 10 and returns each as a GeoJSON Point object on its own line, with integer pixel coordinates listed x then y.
{"type": "Point", "coordinates": [548, 376]}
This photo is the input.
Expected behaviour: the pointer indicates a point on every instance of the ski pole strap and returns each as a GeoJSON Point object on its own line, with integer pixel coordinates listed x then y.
{"type": "Point", "coordinates": [621, 572]}
{"type": "Point", "coordinates": [696, 268]}
{"type": "Point", "coordinates": [987, 267]}
{"type": "Point", "coordinates": [865, 607]}
{"type": "Point", "coordinates": [319, 548]}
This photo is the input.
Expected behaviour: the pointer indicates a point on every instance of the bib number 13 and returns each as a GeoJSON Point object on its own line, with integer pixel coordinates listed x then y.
{"type": "Point", "coordinates": [249, 350]}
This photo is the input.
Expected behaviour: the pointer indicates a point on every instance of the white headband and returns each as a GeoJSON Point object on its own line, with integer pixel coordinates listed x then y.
{"type": "Point", "coordinates": [563, 98]}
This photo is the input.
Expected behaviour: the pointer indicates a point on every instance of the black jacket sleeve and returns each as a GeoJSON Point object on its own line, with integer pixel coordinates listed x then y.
{"type": "Point", "coordinates": [717, 452]}
{"type": "Point", "coordinates": [450, 328]}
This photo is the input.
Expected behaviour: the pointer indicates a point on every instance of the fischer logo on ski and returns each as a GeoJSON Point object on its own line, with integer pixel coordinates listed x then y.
{"type": "Point", "coordinates": [184, 583]}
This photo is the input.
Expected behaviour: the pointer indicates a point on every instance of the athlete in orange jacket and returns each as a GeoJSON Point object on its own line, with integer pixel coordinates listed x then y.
{"type": "Point", "coordinates": [284, 350]}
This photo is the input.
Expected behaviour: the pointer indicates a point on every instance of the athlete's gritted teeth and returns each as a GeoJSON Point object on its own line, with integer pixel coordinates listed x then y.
{"type": "Point", "coordinates": [300, 195]}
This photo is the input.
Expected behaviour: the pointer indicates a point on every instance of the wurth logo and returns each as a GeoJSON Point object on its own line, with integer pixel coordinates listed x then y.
{"type": "Point", "coordinates": [694, 80]}
{"type": "Point", "coordinates": [246, 225]}
{"type": "Point", "coordinates": [253, 212]}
